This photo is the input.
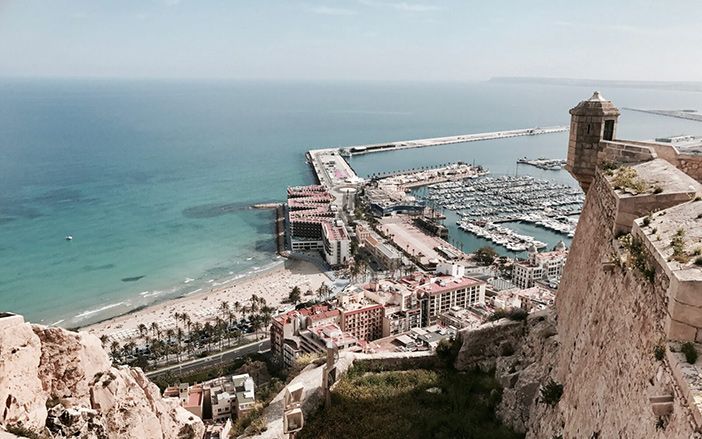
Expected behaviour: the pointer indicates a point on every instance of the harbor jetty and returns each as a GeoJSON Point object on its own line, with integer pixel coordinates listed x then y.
{"type": "Point", "coordinates": [680, 114]}
{"type": "Point", "coordinates": [349, 151]}
{"type": "Point", "coordinates": [336, 174]}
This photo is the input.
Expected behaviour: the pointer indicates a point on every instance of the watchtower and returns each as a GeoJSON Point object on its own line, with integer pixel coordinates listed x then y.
{"type": "Point", "coordinates": [591, 122]}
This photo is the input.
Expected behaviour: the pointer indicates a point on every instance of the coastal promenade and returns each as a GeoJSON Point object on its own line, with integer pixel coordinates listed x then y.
{"type": "Point", "coordinates": [259, 346]}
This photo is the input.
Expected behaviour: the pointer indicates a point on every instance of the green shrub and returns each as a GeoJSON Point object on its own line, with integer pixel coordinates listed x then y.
{"type": "Point", "coordinates": [516, 314]}
{"type": "Point", "coordinates": [551, 392]}
{"type": "Point", "coordinates": [637, 256]}
{"type": "Point", "coordinates": [447, 350]}
{"type": "Point", "coordinates": [659, 352]}
{"type": "Point", "coordinates": [628, 178]}
{"type": "Point", "coordinates": [678, 245]}
{"type": "Point", "coordinates": [688, 349]}
{"type": "Point", "coordinates": [411, 404]}
{"type": "Point", "coordinates": [657, 190]}
{"type": "Point", "coordinates": [698, 261]}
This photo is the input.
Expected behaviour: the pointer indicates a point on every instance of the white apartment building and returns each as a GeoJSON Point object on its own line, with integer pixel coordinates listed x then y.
{"type": "Point", "coordinates": [547, 266]}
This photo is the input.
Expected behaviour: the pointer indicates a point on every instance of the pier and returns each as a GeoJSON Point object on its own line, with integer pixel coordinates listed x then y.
{"type": "Point", "coordinates": [335, 173]}
{"type": "Point", "coordinates": [437, 141]}
{"type": "Point", "coordinates": [680, 114]}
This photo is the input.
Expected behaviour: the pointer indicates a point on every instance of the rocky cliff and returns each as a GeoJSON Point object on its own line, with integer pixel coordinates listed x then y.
{"type": "Point", "coordinates": [57, 384]}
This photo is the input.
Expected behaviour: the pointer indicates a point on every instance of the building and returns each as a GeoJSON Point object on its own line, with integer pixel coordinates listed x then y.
{"type": "Point", "coordinates": [388, 199]}
{"type": "Point", "coordinates": [180, 391]}
{"type": "Point", "coordinates": [383, 252]}
{"type": "Point", "coordinates": [317, 339]}
{"type": "Point", "coordinates": [287, 330]}
{"type": "Point", "coordinates": [245, 399]}
{"type": "Point", "coordinates": [439, 294]}
{"type": "Point", "coordinates": [336, 242]}
{"type": "Point", "coordinates": [361, 317]}
{"type": "Point", "coordinates": [221, 402]}
{"type": "Point", "coordinates": [195, 401]}
{"type": "Point", "coordinates": [547, 266]}
{"type": "Point", "coordinates": [460, 318]}
{"type": "Point", "coordinates": [308, 207]}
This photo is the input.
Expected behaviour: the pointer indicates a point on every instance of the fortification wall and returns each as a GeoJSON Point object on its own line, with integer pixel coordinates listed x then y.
{"type": "Point", "coordinates": [610, 318]}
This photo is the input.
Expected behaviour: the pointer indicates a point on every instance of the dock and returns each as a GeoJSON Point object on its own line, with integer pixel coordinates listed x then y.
{"type": "Point", "coordinates": [334, 172]}
{"type": "Point", "coordinates": [349, 151]}
{"type": "Point", "coordinates": [680, 114]}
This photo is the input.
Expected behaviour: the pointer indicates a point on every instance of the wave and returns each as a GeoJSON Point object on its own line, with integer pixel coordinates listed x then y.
{"type": "Point", "coordinates": [151, 293]}
{"type": "Point", "coordinates": [89, 313]}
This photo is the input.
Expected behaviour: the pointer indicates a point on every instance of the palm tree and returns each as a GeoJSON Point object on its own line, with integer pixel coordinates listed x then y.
{"type": "Point", "coordinates": [224, 307]}
{"type": "Point", "coordinates": [256, 323]}
{"type": "Point", "coordinates": [254, 303]}
{"type": "Point", "coordinates": [104, 338]}
{"type": "Point", "coordinates": [143, 330]}
{"type": "Point", "coordinates": [208, 332]}
{"type": "Point", "coordinates": [170, 335]}
{"type": "Point", "coordinates": [128, 349]}
{"type": "Point", "coordinates": [237, 306]}
{"type": "Point", "coordinates": [114, 350]}
{"type": "Point", "coordinates": [179, 338]}
{"type": "Point", "coordinates": [154, 328]}
{"type": "Point", "coordinates": [187, 321]}
{"type": "Point", "coordinates": [219, 330]}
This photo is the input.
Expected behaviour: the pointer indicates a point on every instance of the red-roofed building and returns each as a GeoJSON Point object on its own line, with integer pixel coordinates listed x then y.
{"type": "Point", "coordinates": [361, 317]}
{"type": "Point", "coordinates": [286, 327]}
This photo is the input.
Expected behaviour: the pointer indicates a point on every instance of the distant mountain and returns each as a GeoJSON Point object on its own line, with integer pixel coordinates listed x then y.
{"type": "Point", "coordinates": [660, 85]}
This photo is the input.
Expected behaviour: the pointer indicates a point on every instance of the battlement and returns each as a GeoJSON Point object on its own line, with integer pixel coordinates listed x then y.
{"type": "Point", "coordinates": [593, 143]}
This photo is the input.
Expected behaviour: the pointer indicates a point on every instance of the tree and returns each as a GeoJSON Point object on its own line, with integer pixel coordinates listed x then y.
{"type": "Point", "coordinates": [323, 290]}
{"type": "Point", "coordinates": [294, 295]}
{"type": "Point", "coordinates": [154, 328]}
{"type": "Point", "coordinates": [179, 338]}
{"type": "Point", "coordinates": [224, 307]}
{"type": "Point", "coordinates": [143, 330]}
{"type": "Point", "coordinates": [114, 350]}
{"type": "Point", "coordinates": [256, 323]}
{"type": "Point", "coordinates": [485, 255]}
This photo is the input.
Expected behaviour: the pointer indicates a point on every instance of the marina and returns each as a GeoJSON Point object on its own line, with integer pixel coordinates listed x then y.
{"type": "Point", "coordinates": [482, 204]}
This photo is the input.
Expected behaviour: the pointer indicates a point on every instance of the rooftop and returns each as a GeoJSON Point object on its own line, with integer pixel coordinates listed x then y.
{"type": "Point", "coordinates": [442, 284]}
{"type": "Point", "coordinates": [194, 397]}
{"type": "Point", "coordinates": [334, 233]}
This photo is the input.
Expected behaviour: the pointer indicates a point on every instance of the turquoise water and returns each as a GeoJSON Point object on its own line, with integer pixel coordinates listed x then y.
{"type": "Point", "coordinates": [154, 179]}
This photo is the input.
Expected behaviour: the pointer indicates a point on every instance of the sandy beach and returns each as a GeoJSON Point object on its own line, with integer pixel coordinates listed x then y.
{"type": "Point", "coordinates": [273, 285]}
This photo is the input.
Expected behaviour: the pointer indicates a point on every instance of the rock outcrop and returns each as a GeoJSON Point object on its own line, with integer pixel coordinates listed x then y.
{"type": "Point", "coordinates": [522, 354]}
{"type": "Point", "coordinates": [58, 384]}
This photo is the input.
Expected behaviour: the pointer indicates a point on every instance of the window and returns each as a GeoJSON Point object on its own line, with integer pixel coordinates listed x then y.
{"type": "Point", "coordinates": [608, 130]}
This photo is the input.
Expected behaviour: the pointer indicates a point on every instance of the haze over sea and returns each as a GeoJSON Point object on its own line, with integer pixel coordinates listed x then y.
{"type": "Point", "coordinates": [154, 179]}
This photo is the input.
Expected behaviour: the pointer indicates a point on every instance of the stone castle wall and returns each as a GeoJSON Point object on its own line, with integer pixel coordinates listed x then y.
{"type": "Point", "coordinates": [610, 319]}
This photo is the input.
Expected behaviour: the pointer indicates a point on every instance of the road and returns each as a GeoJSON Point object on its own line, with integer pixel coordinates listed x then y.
{"type": "Point", "coordinates": [214, 360]}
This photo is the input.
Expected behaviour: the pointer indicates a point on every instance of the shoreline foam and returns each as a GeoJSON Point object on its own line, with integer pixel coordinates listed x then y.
{"type": "Point", "coordinates": [272, 283]}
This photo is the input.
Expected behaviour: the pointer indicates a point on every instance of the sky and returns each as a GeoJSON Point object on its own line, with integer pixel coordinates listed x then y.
{"type": "Point", "coordinates": [441, 40]}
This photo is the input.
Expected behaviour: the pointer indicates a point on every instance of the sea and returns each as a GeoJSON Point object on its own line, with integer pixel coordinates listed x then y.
{"type": "Point", "coordinates": [154, 180]}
